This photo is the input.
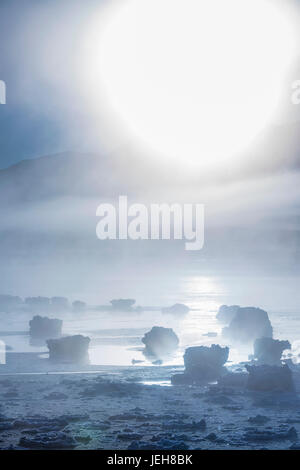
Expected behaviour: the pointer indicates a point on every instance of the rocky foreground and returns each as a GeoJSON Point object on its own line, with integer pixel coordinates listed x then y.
{"type": "Point", "coordinates": [117, 409]}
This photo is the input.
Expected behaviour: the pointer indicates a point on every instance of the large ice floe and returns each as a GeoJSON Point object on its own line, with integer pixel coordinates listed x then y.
{"type": "Point", "coordinates": [269, 350]}
{"type": "Point", "coordinates": [248, 324]}
{"type": "Point", "coordinates": [44, 327]}
{"type": "Point", "coordinates": [73, 349]}
{"type": "Point", "coordinates": [160, 342]}
{"type": "Point", "coordinates": [202, 364]}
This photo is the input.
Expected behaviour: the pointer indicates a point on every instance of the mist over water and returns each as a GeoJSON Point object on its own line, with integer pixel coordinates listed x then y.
{"type": "Point", "coordinates": [116, 336]}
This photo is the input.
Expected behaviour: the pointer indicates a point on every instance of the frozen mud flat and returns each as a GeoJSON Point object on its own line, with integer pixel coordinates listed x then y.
{"type": "Point", "coordinates": [115, 409]}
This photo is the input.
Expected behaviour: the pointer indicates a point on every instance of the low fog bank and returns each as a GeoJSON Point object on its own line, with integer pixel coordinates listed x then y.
{"type": "Point", "coordinates": [48, 226]}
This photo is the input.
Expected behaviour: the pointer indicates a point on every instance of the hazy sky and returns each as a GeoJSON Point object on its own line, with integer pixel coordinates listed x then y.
{"type": "Point", "coordinates": [46, 110]}
{"type": "Point", "coordinates": [38, 51]}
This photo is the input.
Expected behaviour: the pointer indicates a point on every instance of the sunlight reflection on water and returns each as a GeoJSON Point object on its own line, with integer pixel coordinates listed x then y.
{"type": "Point", "coordinates": [116, 338]}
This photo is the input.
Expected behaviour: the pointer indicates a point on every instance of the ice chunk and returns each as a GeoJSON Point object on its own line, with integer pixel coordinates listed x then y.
{"type": "Point", "coordinates": [9, 303]}
{"type": "Point", "coordinates": [202, 364]}
{"type": "Point", "coordinates": [176, 309]}
{"type": "Point", "coordinates": [124, 305]}
{"type": "Point", "coordinates": [227, 313]}
{"type": "Point", "coordinates": [69, 349]}
{"type": "Point", "coordinates": [78, 306]}
{"type": "Point", "coordinates": [269, 351]}
{"type": "Point", "coordinates": [44, 327]}
{"type": "Point", "coordinates": [159, 342]}
{"type": "Point", "coordinates": [248, 324]}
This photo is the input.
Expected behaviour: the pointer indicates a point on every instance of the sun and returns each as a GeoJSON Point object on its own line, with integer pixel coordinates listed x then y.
{"type": "Point", "coordinates": [194, 80]}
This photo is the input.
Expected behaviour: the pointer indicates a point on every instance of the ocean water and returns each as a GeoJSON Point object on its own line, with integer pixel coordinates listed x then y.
{"type": "Point", "coordinates": [116, 337]}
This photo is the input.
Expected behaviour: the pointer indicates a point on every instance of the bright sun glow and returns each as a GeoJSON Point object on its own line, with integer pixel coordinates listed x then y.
{"type": "Point", "coordinates": [195, 80]}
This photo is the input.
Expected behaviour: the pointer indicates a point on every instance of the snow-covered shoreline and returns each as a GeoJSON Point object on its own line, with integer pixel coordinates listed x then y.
{"type": "Point", "coordinates": [114, 409]}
